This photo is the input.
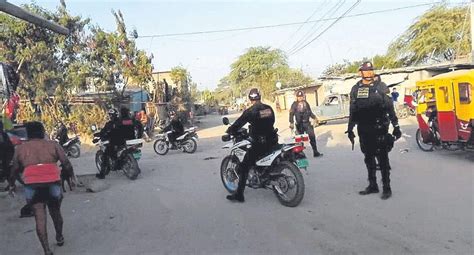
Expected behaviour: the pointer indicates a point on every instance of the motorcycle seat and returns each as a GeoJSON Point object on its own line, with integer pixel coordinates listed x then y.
{"type": "Point", "coordinates": [134, 141]}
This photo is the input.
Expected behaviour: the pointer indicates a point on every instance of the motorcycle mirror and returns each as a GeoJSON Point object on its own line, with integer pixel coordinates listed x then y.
{"type": "Point", "coordinates": [93, 128]}
{"type": "Point", "coordinates": [225, 120]}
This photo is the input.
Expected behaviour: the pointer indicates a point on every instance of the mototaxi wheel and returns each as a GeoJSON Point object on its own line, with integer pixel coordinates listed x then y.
{"type": "Point", "coordinates": [189, 146]}
{"type": "Point", "coordinates": [99, 157]}
{"type": "Point", "coordinates": [160, 147]}
{"type": "Point", "coordinates": [293, 181]}
{"type": "Point", "coordinates": [130, 167]}
{"type": "Point", "coordinates": [229, 175]}
{"type": "Point", "coordinates": [74, 151]}
{"type": "Point", "coordinates": [423, 146]}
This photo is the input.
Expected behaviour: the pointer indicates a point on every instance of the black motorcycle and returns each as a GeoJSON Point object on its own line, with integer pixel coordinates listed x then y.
{"type": "Point", "coordinates": [126, 159]}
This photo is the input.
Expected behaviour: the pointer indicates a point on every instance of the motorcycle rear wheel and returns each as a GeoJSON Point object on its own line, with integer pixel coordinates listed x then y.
{"type": "Point", "coordinates": [74, 151]}
{"type": "Point", "coordinates": [285, 183]}
{"type": "Point", "coordinates": [189, 146]}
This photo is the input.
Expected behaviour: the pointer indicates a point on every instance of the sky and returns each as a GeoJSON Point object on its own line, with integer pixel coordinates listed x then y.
{"type": "Point", "coordinates": [208, 56]}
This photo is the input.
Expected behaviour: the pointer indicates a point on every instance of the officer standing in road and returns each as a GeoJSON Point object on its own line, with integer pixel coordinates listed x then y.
{"type": "Point", "coordinates": [261, 119]}
{"type": "Point", "coordinates": [301, 111]}
{"type": "Point", "coordinates": [372, 111]}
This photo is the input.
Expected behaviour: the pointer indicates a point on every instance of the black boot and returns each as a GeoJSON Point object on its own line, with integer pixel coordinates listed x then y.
{"type": "Point", "coordinates": [237, 197]}
{"type": "Point", "coordinates": [372, 188]}
{"type": "Point", "coordinates": [387, 192]}
{"type": "Point", "coordinates": [317, 154]}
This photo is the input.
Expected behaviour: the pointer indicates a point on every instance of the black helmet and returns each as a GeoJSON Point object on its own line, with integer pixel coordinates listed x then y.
{"type": "Point", "coordinates": [112, 112]}
{"type": "Point", "coordinates": [299, 93]}
{"type": "Point", "coordinates": [366, 66]}
{"type": "Point", "coordinates": [124, 112]}
{"type": "Point", "coordinates": [254, 94]}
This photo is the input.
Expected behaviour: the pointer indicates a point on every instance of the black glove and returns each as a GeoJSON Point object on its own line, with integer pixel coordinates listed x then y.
{"type": "Point", "coordinates": [351, 136]}
{"type": "Point", "coordinates": [397, 132]}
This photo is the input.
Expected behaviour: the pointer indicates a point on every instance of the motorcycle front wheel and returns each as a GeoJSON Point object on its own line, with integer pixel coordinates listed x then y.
{"type": "Point", "coordinates": [74, 151]}
{"type": "Point", "coordinates": [130, 167]}
{"type": "Point", "coordinates": [290, 188]}
{"type": "Point", "coordinates": [229, 175]}
{"type": "Point", "coordinates": [99, 157]}
{"type": "Point", "coordinates": [160, 147]}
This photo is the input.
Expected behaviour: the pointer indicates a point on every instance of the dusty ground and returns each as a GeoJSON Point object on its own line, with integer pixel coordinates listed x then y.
{"type": "Point", "coordinates": [178, 206]}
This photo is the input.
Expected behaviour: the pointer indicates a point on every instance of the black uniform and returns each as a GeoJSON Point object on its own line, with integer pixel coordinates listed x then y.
{"type": "Point", "coordinates": [261, 119]}
{"type": "Point", "coordinates": [372, 111]}
{"type": "Point", "coordinates": [117, 132]}
{"type": "Point", "coordinates": [301, 111]}
{"type": "Point", "coordinates": [177, 129]}
{"type": "Point", "coordinates": [61, 136]}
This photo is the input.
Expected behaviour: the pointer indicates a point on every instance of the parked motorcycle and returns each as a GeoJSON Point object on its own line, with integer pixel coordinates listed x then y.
{"type": "Point", "coordinates": [72, 146]}
{"type": "Point", "coordinates": [126, 159]}
{"type": "Point", "coordinates": [280, 170]}
{"type": "Point", "coordinates": [186, 142]}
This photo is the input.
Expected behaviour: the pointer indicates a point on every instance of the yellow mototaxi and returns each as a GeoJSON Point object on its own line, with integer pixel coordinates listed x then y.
{"type": "Point", "coordinates": [445, 111]}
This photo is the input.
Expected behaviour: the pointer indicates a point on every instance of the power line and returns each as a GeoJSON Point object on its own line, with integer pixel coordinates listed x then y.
{"type": "Point", "coordinates": [315, 29]}
{"type": "Point", "coordinates": [285, 24]}
{"type": "Point", "coordinates": [302, 25]}
{"type": "Point", "coordinates": [330, 25]}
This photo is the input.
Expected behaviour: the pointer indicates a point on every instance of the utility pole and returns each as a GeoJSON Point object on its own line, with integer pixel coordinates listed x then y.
{"type": "Point", "coordinates": [472, 31]}
{"type": "Point", "coordinates": [30, 17]}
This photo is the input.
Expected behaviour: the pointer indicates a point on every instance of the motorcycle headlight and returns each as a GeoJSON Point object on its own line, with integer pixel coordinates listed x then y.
{"type": "Point", "coordinates": [226, 138]}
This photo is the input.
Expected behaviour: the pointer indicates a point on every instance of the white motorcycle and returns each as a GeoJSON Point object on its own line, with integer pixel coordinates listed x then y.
{"type": "Point", "coordinates": [279, 171]}
{"type": "Point", "coordinates": [186, 142]}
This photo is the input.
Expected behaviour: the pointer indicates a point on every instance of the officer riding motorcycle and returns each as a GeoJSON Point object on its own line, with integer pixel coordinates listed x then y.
{"type": "Point", "coordinates": [261, 119]}
{"type": "Point", "coordinates": [176, 128]}
{"type": "Point", "coordinates": [372, 111]}
{"type": "Point", "coordinates": [117, 131]}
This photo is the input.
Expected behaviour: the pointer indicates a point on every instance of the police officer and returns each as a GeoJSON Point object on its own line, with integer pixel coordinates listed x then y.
{"type": "Point", "coordinates": [301, 111]}
{"type": "Point", "coordinates": [261, 119]}
{"type": "Point", "coordinates": [107, 133]}
{"type": "Point", "coordinates": [371, 109]}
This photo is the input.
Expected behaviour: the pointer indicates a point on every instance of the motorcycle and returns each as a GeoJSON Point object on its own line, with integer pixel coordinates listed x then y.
{"type": "Point", "coordinates": [126, 159]}
{"type": "Point", "coordinates": [72, 146]}
{"type": "Point", "coordinates": [186, 142]}
{"type": "Point", "coordinates": [280, 170]}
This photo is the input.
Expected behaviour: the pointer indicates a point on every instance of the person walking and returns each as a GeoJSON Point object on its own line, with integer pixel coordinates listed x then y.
{"type": "Point", "coordinates": [301, 112]}
{"type": "Point", "coordinates": [36, 159]}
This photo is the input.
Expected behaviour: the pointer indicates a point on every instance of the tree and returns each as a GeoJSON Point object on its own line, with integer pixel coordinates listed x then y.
{"type": "Point", "coordinates": [440, 34]}
{"type": "Point", "coordinates": [48, 63]}
{"type": "Point", "coordinates": [258, 67]}
{"type": "Point", "coordinates": [182, 78]}
{"type": "Point", "coordinates": [294, 78]}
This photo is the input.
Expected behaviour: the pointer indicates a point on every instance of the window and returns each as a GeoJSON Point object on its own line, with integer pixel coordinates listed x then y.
{"type": "Point", "coordinates": [465, 93]}
{"type": "Point", "coordinates": [445, 93]}
{"type": "Point", "coordinates": [426, 96]}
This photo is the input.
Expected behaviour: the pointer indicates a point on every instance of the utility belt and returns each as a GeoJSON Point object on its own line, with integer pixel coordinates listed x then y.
{"type": "Point", "coordinates": [265, 139]}
{"type": "Point", "coordinates": [41, 173]}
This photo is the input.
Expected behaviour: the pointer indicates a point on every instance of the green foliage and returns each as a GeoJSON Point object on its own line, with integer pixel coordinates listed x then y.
{"type": "Point", "coordinates": [294, 78]}
{"type": "Point", "coordinates": [439, 34]}
{"type": "Point", "coordinates": [258, 67]}
{"type": "Point", "coordinates": [182, 78]}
